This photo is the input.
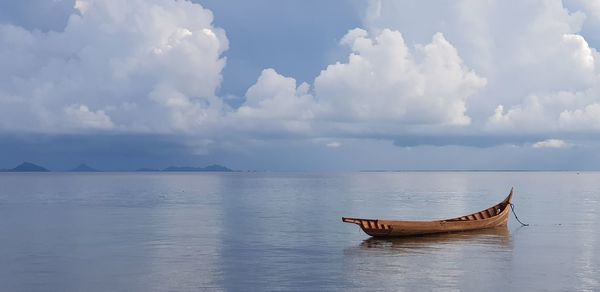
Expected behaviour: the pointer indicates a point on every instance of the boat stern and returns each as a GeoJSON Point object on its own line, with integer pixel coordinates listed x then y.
{"type": "Point", "coordinates": [371, 227]}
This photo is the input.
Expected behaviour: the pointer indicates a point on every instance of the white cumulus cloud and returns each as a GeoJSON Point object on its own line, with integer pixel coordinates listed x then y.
{"type": "Point", "coordinates": [551, 143]}
{"type": "Point", "coordinates": [275, 105]}
{"type": "Point", "coordinates": [385, 87]}
{"type": "Point", "coordinates": [385, 80]}
{"type": "Point", "coordinates": [541, 72]}
{"type": "Point", "coordinates": [142, 65]}
{"type": "Point", "coordinates": [82, 117]}
{"type": "Point", "coordinates": [587, 118]}
{"type": "Point", "coordinates": [155, 66]}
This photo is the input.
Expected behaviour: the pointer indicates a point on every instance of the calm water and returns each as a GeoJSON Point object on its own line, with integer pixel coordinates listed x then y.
{"type": "Point", "coordinates": [283, 231]}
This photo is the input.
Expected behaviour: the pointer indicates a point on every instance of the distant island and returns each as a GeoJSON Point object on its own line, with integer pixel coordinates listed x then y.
{"type": "Point", "coordinates": [84, 168]}
{"type": "Point", "coordinates": [213, 167]}
{"type": "Point", "coordinates": [147, 169]}
{"type": "Point", "coordinates": [210, 168]}
{"type": "Point", "coordinates": [26, 167]}
{"type": "Point", "coordinates": [31, 167]}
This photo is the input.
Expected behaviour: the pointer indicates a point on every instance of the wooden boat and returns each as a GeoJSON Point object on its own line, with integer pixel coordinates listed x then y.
{"type": "Point", "coordinates": [494, 216]}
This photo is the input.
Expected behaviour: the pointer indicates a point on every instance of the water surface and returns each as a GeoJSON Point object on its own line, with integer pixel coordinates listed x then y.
{"type": "Point", "coordinates": [283, 231]}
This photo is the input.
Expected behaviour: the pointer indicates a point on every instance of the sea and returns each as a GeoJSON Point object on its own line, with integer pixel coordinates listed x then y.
{"type": "Point", "coordinates": [269, 231]}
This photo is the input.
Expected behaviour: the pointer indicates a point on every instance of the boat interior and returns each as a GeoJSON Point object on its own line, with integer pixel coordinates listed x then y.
{"type": "Point", "coordinates": [484, 214]}
{"type": "Point", "coordinates": [487, 213]}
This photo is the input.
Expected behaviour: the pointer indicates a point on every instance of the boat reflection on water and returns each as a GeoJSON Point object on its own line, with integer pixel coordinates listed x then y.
{"type": "Point", "coordinates": [497, 236]}
{"type": "Point", "coordinates": [459, 261]}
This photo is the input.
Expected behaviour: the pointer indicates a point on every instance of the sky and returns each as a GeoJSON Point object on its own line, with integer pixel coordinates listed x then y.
{"type": "Point", "coordinates": [301, 85]}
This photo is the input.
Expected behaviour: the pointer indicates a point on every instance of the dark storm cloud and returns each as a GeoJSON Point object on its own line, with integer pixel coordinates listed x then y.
{"type": "Point", "coordinates": [485, 141]}
{"type": "Point", "coordinates": [106, 152]}
{"type": "Point", "coordinates": [470, 141]}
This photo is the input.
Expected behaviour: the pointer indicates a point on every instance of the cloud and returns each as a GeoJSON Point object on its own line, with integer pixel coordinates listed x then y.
{"type": "Point", "coordinates": [587, 118]}
{"type": "Point", "coordinates": [385, 87]}
{"type": "Point", "coordinates": [333, 144]}
{"type": "Point", "coordinates": [551, 143]}
{"type": "Point", "coordinates": [531, 116]}
{"type": "Point", "coordinates": [384, 80]}
{"type": "Point", "coordinates": [143, 66]}
{"type": "Point", "coordinates": [104, 150]}
{"type": "Point", "coordinates": [560, 112]}
{"type": "Point", "coordinates": [478, 140]}
{"type": "Point", "coordinates": [83, 5]}
{"type": "Point", "coordinates": [276, 104]}
{"type": "Point", "coordinates": [541, 80]}
{"type": "Point", "coordinates": [81, 116]}
{"type": "Point", "coordinates": [531, 64]}
{"type": "Point", "coordinates": [412, 75]}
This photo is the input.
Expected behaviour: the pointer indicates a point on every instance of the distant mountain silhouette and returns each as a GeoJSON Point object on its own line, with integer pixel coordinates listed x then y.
{"type": "Point", "coordinates": [27, 167]}
{"type": "Point", "coordinates": [147, 169]}
{"type": "Point", "coordinates": [30, 167]}
{"type": "Point", "coordinates": [84, 168]}
{"type": "Point", "coordinates": [214, 167]}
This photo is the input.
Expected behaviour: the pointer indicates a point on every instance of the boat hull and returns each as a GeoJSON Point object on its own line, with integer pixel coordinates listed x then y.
{"type": "Point", "coordinates": [494, 216]}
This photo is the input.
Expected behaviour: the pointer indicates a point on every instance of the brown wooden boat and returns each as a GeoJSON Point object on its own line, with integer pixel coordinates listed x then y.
{"type": "Point", "coordinates": [494, 216]}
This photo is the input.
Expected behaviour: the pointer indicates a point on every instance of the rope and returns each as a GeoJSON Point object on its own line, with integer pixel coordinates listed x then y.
{"type": "Point", "coordinates": [513, 211]}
